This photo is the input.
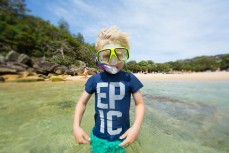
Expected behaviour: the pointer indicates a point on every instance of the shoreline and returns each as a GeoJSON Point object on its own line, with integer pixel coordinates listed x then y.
{"type": "Point", "coordinates": [185, 76]}
{"type": "Point", "coordinates": [177, 76]}
{"type": "Point", "coordinates": [198, 76]}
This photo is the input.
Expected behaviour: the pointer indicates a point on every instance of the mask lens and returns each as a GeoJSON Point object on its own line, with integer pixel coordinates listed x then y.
{"type": "Point", "coordinates": [122, 53]}
{"type": "Point", "coordinates": [104, 55]}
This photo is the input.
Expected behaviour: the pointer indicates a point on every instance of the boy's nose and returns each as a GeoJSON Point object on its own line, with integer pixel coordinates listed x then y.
{"type": "Point", "coordinates": [113, 60]}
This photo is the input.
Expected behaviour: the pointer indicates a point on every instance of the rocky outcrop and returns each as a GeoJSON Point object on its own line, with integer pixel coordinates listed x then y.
{"type": "Point", "coordinates": [92, 71]}
{"type": "Point", "coordinates": [7, 70]}
{"type": "Point", "coordinates": [12, 56]}
{"type": "Point", "coordinates": [2, 59]}
{"type": "Point", "coordinates": [60, 70]}
{"type": "Point", "coordinates": [22, 68]}
{"type": "Point", "coordinates": [23, 59]}
{"type": "Point", "coordinates": [44, 67]}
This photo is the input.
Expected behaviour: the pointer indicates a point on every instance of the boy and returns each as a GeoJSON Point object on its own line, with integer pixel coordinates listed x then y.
{"type": "Point", "coordinates": [113, 89]}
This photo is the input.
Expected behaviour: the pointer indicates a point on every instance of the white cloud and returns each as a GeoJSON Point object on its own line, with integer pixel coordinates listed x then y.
{"type": "Point", "coordinates": [159, 30]}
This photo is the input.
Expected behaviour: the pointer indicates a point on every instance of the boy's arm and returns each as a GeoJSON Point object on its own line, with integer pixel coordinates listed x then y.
{"type": "Point", "coordinates": [132, 132]}
{"type": "Point", "coordinates": [80, 135]}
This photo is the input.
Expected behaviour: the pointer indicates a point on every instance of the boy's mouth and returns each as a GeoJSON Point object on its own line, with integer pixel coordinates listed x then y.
{"type": "Point", "coordinates": [111, 69]}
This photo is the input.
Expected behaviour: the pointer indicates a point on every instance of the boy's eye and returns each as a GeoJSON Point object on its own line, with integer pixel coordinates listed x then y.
{"type": "Point", "coordinates": [120, 53]}
{"type": "Point", "coordinates": [120, 56]}
{"type": "Point", "coordinates": [106, 56]}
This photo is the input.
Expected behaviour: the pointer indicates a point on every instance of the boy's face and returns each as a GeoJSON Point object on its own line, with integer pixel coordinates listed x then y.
{"type": "Point", "coordinates": [114, 62]}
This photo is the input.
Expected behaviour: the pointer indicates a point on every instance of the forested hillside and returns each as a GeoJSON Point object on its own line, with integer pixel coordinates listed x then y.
{"type": "Point", "coordinates": [38, 38]}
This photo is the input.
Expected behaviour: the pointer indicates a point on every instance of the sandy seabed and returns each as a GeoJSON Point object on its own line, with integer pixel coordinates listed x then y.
{"type": "Point", "coordinates": [177, 76]}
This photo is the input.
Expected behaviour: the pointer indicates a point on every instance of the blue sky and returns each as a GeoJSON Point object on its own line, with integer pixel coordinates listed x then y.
{"type": "Point", "coordinates": [159, 30]}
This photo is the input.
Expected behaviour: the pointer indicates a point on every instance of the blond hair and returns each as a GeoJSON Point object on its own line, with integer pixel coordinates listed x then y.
{"type": "Point", "coordinates": [111, 36]}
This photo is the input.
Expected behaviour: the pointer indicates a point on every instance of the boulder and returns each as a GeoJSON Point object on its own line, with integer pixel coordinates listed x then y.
{"type": "Point", "coordinates": [79, 71]}
{"type": "Point", "coordinates": [7, 70]}
{"type": "Point", "coordinates": [27, 73]}
{"type": "Point", "coordinates": [81, 63]}
{"type": "Point", "coordinates": [2, 60]}
{"type": "Point", "coordinates": [70, 72]}
{"type": "Point", "coordinates": [51, 75]}
{"type": "Point", "coordinates": [17, 66]}
{"type": "Point", "coordinates": [92, 71]}
{"type": "Point", "coordinates": [12, 56]}
{"type": "Point", "coordinates": [42, 76]}
{"type": "Point", "coordinates": [23, 58]}
{"type": "Point", "coordinates": [60, 70]}
{"type": "Point", "coordinates": [72, 67]}
{"type": "Point", "coordinates": [44, 67]}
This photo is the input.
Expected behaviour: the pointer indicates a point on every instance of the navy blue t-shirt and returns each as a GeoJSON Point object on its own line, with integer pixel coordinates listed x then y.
{"type": "Point", "coordinates": [112, 102]}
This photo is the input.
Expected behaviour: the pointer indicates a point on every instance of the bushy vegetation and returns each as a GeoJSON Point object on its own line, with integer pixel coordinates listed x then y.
{"type": "Point", "coordinates": [197, 64]}
{"type": "Point", "coordinates": [38, 38]}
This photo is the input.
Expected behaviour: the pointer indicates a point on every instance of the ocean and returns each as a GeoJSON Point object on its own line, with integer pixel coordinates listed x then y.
{"type": "Point", "coordinates": [186, 116]}
{"type": "Point", "coordinates": [180, 117]}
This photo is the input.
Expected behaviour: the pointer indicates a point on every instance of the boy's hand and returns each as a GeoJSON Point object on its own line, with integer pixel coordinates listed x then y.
{"type": "Point", "coordinates": [130, 136]}
{"type": "Point", "coordinates": [81, 136]}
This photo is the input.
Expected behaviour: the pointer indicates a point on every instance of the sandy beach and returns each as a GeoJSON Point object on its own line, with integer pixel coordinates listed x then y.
{"type": "Point", "coordinates": [185, 76]}
{"type": "Point", "coordinates": [177, 76]}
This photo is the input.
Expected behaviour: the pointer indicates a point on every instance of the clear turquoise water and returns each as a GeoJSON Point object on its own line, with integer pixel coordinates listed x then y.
{"type": "Point", "coordinates": [181, 117]}
{"type": "Point", "coordinates": [186, 116]}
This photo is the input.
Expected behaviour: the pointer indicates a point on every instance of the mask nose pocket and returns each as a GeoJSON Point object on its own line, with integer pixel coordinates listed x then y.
{"type": "Point", "coordinates": [113, 60]}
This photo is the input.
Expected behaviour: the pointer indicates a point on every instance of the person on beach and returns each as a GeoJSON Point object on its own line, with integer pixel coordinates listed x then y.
{"type": "Point", "coordinates": [113, 89]}
{"type": "Point", "coordinates": [85, 72]}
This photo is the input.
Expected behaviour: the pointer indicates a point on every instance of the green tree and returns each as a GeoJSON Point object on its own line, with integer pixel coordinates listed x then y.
{"type": "Point", "coordinates": [143, 65]}
{"type": "Point", "coordinates": [163, 67]}
{"type": "Point", "coordinates": [79, 37]}
{"type": "Point", "coordinates": [224, 63]}
{"type": "Point", "coordinates": [63, 25]}
{"type": "Point", "coordinates": [132, 66]}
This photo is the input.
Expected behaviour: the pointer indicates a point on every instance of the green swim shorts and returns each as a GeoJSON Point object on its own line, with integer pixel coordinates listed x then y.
{"type": "Point", "coordinates": [103, 146]}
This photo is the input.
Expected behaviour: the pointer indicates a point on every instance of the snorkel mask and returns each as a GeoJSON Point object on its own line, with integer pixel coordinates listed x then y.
{"type": "Point", "coordinates": [110, 55]}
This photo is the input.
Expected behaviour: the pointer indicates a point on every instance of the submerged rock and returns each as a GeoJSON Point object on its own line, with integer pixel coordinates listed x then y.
{"type": "Point", "coordinates": [56, 79]}
{"type": "Point", "coordinates": [67, 104]}
{"type": "Point", "coordinates": [30, 79]}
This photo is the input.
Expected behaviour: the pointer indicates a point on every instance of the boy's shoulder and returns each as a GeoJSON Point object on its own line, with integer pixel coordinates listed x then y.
{"type": "Point", "coordinates": [128, 74]}
{"type": "Point", "coordinates": [96, 76]}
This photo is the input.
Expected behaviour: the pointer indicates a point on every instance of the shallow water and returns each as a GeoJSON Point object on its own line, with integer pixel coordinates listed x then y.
{"type": "Point", "coordinates": [186, 116]}
{"type": "Point", "coordinates": [38, 117]}
{"type": "Point", "coordinates": [181, 117]}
